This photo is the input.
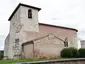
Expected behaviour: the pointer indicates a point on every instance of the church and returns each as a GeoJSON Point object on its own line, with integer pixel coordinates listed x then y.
{"type": "Point", "coordinates": [28, 39]}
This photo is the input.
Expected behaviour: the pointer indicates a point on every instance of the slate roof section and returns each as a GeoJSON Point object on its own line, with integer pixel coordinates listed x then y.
{"type": "Point", "coordinates": [59, 26]}
{"type": "Point", "coordinates": [20, 4]}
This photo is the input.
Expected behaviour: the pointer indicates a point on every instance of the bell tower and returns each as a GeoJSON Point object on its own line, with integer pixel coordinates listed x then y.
{"type": "Point", "coordinates": [29, 18]}
{"type": "Point", "coordinates": [23, 19]}
{"type": "Point", "coordinates": [26, 16]}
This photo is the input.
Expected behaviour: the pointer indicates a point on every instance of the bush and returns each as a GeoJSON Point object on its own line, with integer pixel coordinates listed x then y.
{"type": "Point", "coordinates": [69, 52]}
{"type": "Point", "coordinates": [74, 52]}
{"type": "Point", "coordinates": [1, 55]}
{"type": "Point", "coordinates": [65, 53]}
{"type": "Point", "coordinates": [81, 52]}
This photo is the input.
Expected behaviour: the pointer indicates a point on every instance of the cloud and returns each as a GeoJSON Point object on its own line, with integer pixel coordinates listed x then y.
{"type": "Point", "coordinates": [2, 38]}
{"type": "Point", "coordinates": [69, 13]}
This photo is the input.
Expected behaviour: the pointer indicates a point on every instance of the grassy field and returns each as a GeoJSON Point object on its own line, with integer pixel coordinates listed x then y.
{"type": "Point", "coordinates": [26, 60]}
{"type": "Point", "coordinates": [15, 61]}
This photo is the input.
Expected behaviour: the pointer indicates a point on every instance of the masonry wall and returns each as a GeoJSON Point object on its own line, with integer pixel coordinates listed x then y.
{"type": "Point", "coordinates": [48, 47]}
{"type": "Point", "coordinates": [28, 50]}
{"type": "Point", "coordinates": [6, 47]}
{"type": "Point", "coordinates": [14, 31]}
{"type": "Point", "coordinates": [19, 24]}
{"type": "Point", "coordinates": [61, 33]}
{"type": "Point", "coordinates": [28, 24]}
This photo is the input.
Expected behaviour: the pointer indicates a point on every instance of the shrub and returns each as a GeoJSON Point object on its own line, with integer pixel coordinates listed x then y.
{"type": "Point", "coordinates": [81, 52]}
{"type": "Point", "coordinates": [69, 52]}
{"type": "Point", "coordinates": [65, 53]}
{"type": "Point", "coordinates": [1, 55]}
{"type": "Point", "coordinates": [74, 52]}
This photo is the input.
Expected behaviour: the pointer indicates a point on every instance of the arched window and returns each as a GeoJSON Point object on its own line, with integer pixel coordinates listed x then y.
{"type": "Point", "coordinates": [29, 13]}
{"type": "Point", "coordinates": [66, 42]}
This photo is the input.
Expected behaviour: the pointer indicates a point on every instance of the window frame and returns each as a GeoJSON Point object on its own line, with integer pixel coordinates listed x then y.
{"type": "Point", "coordinates": [30, 13]}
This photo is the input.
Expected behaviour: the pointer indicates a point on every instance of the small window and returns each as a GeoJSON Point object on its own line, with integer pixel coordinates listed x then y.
{"type": "Point", "coordinates": [66, 42]}
{"type": "Point", "coordinates": [29, 13]}
{"type": "Point", "coordinates": [17, 41]}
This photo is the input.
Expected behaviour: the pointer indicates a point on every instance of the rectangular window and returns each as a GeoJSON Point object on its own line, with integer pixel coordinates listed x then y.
{"type": "Point", "coordinates": [17, 41]}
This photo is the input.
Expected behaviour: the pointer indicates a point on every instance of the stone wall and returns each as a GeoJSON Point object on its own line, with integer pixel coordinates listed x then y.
{"type": "Point", "coordinates": [27, 50]}
{"type": "Point", "coordinates": [29, 24]}
{"type": "Point", "coordinates": [48, 47]}
{"type": "Point", "coordinates": [14, 29]}
{"type": "Point", "coordinates": [62, 33]}
{"type": "Point", "coordinates": [18, 25]}
{"type": "Point", "coordinates": [6, 47]}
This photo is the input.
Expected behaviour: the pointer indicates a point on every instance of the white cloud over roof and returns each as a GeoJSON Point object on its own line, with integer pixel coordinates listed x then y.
{"type": "Point", "coordinates": [69, 13]}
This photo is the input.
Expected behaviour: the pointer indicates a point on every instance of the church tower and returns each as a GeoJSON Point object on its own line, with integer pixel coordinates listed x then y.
{"type": "Point", "coordinates": [23, 19]}
{"type": "Point", "coordinates": [26, 16]}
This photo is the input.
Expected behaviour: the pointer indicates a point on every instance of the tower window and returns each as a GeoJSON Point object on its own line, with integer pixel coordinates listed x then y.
{"type": "Point", "coordinates": [17, 41]}
{"type": "Point", "coordinates": [29, 13]}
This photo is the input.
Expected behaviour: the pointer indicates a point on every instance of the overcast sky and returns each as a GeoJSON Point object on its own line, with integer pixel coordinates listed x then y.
{"type": "Point", "coordinates": [69, 13]}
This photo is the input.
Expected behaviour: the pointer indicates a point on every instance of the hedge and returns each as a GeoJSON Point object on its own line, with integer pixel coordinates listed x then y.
{"type": "Point", "coordinates": [69, 53]}
{"type": "Point", "coordinates": [81, 52]}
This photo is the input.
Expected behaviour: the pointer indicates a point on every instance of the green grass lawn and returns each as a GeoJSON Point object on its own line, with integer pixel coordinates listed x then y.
{"type": "Point", "coordinates": [15, 61]}
{"type": "Point", "coordinates": [27, 60]}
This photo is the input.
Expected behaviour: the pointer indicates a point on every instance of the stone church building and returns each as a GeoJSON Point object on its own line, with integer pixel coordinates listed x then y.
{"type": "Point", "coordinates": [28, 38]}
